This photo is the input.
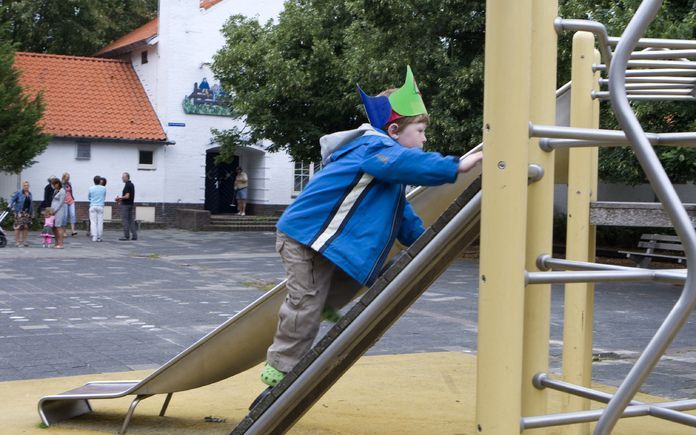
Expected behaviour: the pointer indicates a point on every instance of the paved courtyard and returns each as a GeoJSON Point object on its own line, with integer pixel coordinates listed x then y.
{"type": "Point", "coordinates": [119, 306]}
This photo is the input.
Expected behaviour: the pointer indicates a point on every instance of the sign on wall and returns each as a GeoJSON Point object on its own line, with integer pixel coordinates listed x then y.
{"type": "Point", "coordinates": [207, 100]}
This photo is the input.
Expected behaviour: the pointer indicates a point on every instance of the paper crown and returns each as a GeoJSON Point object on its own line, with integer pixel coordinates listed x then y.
{"type": "Point", "coordinates": [405, 101]}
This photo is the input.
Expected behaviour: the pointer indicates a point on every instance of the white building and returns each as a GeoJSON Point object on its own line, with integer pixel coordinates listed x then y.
{"type": "Point", "coordinates": [126, 110]}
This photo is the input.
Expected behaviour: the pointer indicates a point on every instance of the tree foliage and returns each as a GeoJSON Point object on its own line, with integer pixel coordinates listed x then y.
{"type": "Point", "coordinates": [76, 27]}
{"type": "Point", "coordinates": [295, 80]}
{"type": "Point", "coordinates": [21, 138]}
{"type": "Point", "coordinates": [676, 20]}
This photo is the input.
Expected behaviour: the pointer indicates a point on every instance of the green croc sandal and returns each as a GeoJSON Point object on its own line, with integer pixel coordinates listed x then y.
{"type": "Point", "coordinates": [271, 376]}
{"type": "Point", "coordinates": [331, 314]}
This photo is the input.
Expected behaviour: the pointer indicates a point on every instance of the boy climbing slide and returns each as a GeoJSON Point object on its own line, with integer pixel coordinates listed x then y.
{"type": "Point", "coordinates": [335, 237]}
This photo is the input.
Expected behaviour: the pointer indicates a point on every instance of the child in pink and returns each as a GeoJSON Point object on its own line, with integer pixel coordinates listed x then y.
{"type": "Point", "coordinates": [47, 232]}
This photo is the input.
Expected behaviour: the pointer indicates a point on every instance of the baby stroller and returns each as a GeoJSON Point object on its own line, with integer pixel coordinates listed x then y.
{"type": "Point", "coordinates": [3, 236]}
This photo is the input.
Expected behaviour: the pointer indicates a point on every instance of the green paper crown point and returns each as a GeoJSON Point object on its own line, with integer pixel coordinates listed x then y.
{"type": "Point", "coordinates": [407, 100]}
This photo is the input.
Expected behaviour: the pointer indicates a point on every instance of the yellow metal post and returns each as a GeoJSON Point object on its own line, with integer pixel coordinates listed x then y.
{"type": "Point", "coordinates": [582, 187]}
{"type": "Point", "coordinates": [537, 305]}
{"type": "Point", "coordinates": [503, 215]}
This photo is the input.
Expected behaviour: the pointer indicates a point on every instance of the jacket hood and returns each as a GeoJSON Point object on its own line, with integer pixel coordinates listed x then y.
{"type": "Point", "coordinates": [330, 143]}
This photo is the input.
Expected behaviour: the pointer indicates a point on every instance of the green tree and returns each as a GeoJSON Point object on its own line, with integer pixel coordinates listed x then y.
{"type": "Point", "coordinates": [295, 80]}
{"type": "Point", "coordinates": [21, 138]}
{"type": "Point", "coordinates": [76, 27]}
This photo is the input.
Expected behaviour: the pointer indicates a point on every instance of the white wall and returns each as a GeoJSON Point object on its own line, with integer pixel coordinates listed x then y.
{"type": "Point", "coordinates": [147, 72]}
{"type": "Point", "coordinates": [188, 39]}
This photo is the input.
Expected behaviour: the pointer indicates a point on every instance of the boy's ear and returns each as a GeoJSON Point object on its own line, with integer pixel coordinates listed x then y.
{"type": "Point", "coordinates": [392, 130]}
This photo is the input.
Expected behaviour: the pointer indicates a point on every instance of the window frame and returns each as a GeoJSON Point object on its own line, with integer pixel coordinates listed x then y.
{"type": "Point", "coordinates": [146, 166]}
{"type": "Point", "coordinates": [84, 145]}
{"type": "Point", "coordinates": [306, 172]}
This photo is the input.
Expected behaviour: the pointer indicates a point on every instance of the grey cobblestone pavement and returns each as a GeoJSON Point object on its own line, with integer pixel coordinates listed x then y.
{"type": "Point", "coordinates": [119, 306]}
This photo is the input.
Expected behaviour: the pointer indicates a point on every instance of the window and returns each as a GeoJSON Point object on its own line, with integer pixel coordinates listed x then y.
{"type": "Point", "coordinates": [143, 57]}
{"type": "Point", "coordinates": [303, 172]}
{"type": "Point", "coordinates": [83, 151]}
{"type": "Point", "coordinates": [146, 159]}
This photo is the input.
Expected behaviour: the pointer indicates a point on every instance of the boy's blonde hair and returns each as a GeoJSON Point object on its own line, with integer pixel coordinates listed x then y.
{"type": "Point", "coordinates": [405, 121]}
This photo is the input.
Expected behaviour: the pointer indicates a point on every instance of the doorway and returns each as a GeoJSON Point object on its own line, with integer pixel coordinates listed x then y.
{"type": "Point", "coordinates": [219, 184]}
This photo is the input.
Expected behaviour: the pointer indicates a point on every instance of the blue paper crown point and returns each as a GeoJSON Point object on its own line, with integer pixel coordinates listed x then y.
{"type": "Point", "coordinates": [378, 108]}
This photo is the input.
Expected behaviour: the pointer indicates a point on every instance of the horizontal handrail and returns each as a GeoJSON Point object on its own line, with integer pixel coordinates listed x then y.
{"type": "Point", "coordinates": [575, 136]}
{"type": "Point", "coordinates": [658, 43]}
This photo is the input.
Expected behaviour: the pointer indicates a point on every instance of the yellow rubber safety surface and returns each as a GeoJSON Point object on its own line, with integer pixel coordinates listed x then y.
{"type": "Point", "coordinates": [425, 393]}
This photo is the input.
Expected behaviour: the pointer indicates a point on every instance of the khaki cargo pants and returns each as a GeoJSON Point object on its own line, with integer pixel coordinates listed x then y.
{"type": "Point", "coordinates": [312, 282]}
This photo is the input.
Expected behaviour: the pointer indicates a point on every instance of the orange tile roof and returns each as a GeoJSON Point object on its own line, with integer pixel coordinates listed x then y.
{"type": "Point", "coordinates": [136, 38]}
{"type": "Point", "coordinates": [89, 97]}
{"type": "Point", "coordinates": [205, 4]}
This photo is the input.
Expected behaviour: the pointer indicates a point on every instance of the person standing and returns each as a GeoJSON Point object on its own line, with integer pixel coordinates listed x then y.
{"type": "Point", "coordinates": [126, 200]}
{"type": "Point", "coordinates": [70, 204]}
{"type": "Point", "coordinates": [58, 206]}
{"type": "Point", "coordinates": [241, 185]}
{"type": "Point", "coordinates": [97, 198]}
{"type": "Point", "coordinates": [23, 209]}
{"type": "Point", "coordinates": [48, 195]}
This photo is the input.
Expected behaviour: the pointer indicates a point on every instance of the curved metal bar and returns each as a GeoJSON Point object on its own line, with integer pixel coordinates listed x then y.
{"type": "Point", "coordinates": [672, 205]}
{"type": "Point", "coordinates": [598, 29]}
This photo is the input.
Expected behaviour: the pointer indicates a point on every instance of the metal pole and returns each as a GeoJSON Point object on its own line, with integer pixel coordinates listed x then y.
{"type": "Point", "coordinates": [653, 97]}
{"type": "Point", "coordinates": [663, 54]}
{"type": "Point", "coordinates": [661, 410]}
{"type": "Point", "coordinates": [655, 79]}
{"type": "Point", "coordinates": [609, 136]}
{"type": "Point", "coordinates": [656, 72]}
{"type": "Point", "coordinates": [579, 297]}
{"type": "Point", "coordinates": [588, 277]}
{"type": "Point", "coordinates": [537, 298]}
{"type": "Point", "coordinates": [542, 380]}
{"type": "Point", "coordinates": [504, 184]}
{"type": "Point", "coordinates": [658, 43]}
{"type": "Point", "coordinates": [672, 206]}
{"type": "Point", "coordinates": [670, 276]}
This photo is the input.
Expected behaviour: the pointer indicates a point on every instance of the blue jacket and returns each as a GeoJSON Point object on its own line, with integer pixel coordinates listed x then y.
{"type": "Point", "coordinates": [17, 202]}
{"type": "Point", "coordinates": [355, 207]}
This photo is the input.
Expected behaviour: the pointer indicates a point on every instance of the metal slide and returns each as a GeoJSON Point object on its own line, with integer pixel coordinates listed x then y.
{"type": "Point", "coordinates": [233, 347]}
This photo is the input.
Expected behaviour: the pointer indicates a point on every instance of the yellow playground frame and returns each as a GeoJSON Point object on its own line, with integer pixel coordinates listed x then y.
{"type": "Point", "coordinates": [520, 135]}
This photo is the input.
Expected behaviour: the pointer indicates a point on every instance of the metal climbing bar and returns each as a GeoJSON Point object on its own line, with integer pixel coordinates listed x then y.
{"type": "Point", "coordinates": [546, 262]}
{"type": "Point", "coordinates": [671, 203]}
{"type": "Point", "coordinates": [658, 43]}
{"type": "Point", "coordinates": [589, 136]}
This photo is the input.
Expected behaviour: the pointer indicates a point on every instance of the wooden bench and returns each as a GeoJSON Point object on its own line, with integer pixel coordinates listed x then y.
{"type": "Point", "coordinates": [667, 247]}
